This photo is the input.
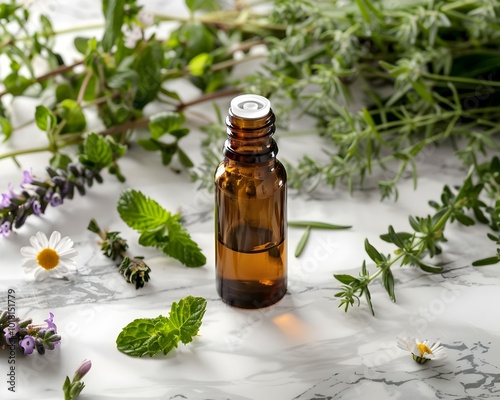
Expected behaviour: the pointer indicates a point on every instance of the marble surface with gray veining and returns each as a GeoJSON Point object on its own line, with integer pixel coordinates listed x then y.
{"type": "Point", "coordinates": [304, 347]}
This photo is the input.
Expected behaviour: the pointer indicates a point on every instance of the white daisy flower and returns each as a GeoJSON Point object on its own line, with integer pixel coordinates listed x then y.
{"type": "Point", "coordinates": [422, 351]}
{"type": "Point", "coordinates": [48, 257]}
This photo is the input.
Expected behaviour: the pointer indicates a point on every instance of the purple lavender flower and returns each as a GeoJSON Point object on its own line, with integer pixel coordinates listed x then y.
{"type": "Point", "coordinates": [5, 229]}
{"type": "Point", "coordinates": [5, 202]}
{"type": "Point", "coordinates": [27, 344]}
{"type": "Point", "coordinates": [37, 207]}
{"type": "Point", "coordinates": [27, 177]}
{"type": "Point", "coordinates": [50, 322]}
{"type": "Point", "coordinates": [11, 331]}
{"type": "Point", "coordinates": [56, 200]}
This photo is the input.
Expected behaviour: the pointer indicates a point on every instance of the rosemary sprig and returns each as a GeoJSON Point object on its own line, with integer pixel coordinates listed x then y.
{"type": "Point", "coordinates": [133, 269]}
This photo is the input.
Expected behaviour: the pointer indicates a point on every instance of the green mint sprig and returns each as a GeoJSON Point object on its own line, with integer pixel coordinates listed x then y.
{"type": "Point", "coordinates": [150, 336]}
{"type": "Point", "coordinates": [159, 228]}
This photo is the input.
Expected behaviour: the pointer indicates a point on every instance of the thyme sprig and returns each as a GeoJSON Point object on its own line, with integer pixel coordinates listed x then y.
{"type": "Point", "coordinates": [428, 233]}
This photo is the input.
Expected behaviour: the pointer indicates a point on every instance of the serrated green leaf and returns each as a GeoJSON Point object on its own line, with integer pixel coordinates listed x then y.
{"type": "Point", "coordinates": [145, 336]}
{"type": "Point", "coordinates": [181, 247]}
{"type": "Point", "coordinates": [186, 317]}
{"type": "Point", "coordinates": [149, 336]}
{"type": "Point", "coordinates": [316, 225]}
{"type": "Point", "coordinates": [44, 118]}
{"type": "Point", "coordinates": [97, 153]}
{"type": "Point", "coordinates": [165, 122]}
{"type": "Point", "coordinates": [302, 242]}
{"type": "Point", "coordinates": [141, 212]}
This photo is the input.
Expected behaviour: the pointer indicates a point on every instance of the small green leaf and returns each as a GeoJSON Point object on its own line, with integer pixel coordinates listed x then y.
{"type": "Point", "coordinates": [71, 112]}
{"type": "Point", "coordinates": [81, 44]}
{"type": "Point", "coordinates": [165, 122]}
{"type": "Point", "coordinates": [345, 279]}
{"type": "Point", "coordinates": [369, 299]}
{"type": "Point", "coordinates": [388, 281]}
{"type": "Point", "coordinates": [5, 128]}
{"type": "Point", "coordinates": [97, 153]}
{"type": "Point", "coordinates": [113, 11]}
{"type": "Point", "coordinates": [316, 225]}
{"type": "Point", "coordinates": [373, 252]}
{"type": "Point", "coordinates": [184, 158]}
{"type": "Point", "coordinates": [45, 119]}
{"type": "Point", "coordinates": [181, 247]}
{"type": "Point", "coordinates": [199, 64]}
{"type": "Point", "coordinates": [16, 84]}
{"type": "Point", "coordinates": [414, 224]}
{"type": "Point", "coordinates": [464, 219]}
{"type": "Point", "coordinates": [302, 242]}
{"type": "Point", "coordinates": [433, 269]}
{"type": "Point", "coordinates": [206, 5]}
{"type": "Point", "coordinates": [60, 161]}
{"type": "Point", "coordinates": [395, 238]}
{"type": "Point", "coordinates": [141, 212]}
{"type": "Point", "coordinates": [486, 261]}
{"type": "Point", "coordinates": [403, 235]}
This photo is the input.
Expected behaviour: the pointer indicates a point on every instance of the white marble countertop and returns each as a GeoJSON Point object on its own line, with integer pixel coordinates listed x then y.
{"type": "Point", "coordinates": [304, 347]}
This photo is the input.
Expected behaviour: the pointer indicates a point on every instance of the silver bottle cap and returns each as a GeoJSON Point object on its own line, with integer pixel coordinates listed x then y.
{"type": "Point", "coordinates": [250, 106]}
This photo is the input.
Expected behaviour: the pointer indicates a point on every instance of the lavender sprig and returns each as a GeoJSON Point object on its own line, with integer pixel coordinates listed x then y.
{"type": "Point", "coordinates": [26, 336]}
{"type": "Point", "coordinates": [37, 194]}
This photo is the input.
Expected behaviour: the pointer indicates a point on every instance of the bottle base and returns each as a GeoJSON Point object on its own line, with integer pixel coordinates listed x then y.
{"type": "Point", "coordinates": [250, 294]}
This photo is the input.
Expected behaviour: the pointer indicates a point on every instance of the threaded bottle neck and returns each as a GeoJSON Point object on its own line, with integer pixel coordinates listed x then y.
{"type": "Point", "coordinates": [250, 140]}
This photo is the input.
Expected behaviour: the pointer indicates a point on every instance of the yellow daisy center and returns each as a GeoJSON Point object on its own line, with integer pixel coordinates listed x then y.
{"type": "Point", "coordinates": [48, 259]}
{"type": "Point", "coordinates": [423, 349]}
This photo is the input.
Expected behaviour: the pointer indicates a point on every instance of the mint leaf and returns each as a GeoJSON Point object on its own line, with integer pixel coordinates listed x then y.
{"type": "Point", "coordinates": [97, 152]}
{"type": "Point", "coordinates": [149, 336]}
{"type": "Point", "coordinates": [144, 336]}
{"type": "Point", "coordinates": [165, 122]}
{"type": "Point", "coordinates": [186, 317]}
{"type": "Point", "coordinates": [141, 212]}
{"type": "Point", "coordinates": [44, 118]}
{"type": "Point", "coordinates": [182, 247]}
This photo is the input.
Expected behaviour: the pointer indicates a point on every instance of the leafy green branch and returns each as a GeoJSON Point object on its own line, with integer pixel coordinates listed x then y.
{"type": "Point", "coordinates": [428, 232]}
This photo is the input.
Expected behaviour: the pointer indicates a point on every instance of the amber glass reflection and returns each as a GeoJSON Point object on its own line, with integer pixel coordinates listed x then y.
{"type": "Point", "coordinates": [250, 216]}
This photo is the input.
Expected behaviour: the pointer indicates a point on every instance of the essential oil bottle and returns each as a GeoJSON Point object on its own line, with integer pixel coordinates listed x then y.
{"type": "Point", "coordinates": [250, 209]}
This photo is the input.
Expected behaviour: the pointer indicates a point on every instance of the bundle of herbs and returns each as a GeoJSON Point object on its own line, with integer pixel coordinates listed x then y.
{"type": "Point", "coordinates": [385, 81]}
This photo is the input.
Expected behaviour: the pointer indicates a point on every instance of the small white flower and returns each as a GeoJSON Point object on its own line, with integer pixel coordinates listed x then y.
{"type": "Point", "coordinates": [48, 257]}
{"type": "Point", "coordinates": [132, 37]}
{"type": "Point", "coordinates": [422, 351]}
{"type": "Point", "coordinates": [145, 18]}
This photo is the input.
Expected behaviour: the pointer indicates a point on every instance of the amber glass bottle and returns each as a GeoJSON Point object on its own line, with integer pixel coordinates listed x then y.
{"type": "Point", "coordinates": [250, 209]}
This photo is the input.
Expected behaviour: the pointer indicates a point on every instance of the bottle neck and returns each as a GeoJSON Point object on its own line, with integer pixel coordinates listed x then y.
{"type": "Point", "coordinates": [250, 140]}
